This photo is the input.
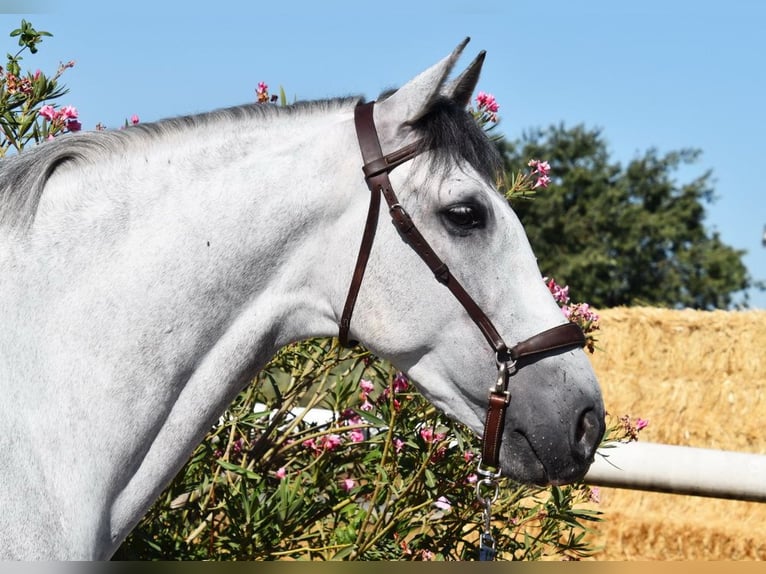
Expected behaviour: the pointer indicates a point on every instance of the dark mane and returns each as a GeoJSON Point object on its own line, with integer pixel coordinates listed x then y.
{"type": "Point", "coordinates": [452, 134]}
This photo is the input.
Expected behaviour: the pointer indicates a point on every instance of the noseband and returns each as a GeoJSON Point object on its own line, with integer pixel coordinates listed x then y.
{"type": "Point", "coordinates": [376, 169]}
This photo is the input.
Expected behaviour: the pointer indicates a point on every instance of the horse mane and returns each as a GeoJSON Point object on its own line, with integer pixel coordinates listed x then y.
{"type": "Point", "coordinates": [23, 177]}
{"type": "Point", "coordinates": [447, 130]}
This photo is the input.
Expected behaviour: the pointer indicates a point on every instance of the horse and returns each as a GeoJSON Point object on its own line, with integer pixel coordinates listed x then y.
{"type": "Point", "coordinates": [146, 275]}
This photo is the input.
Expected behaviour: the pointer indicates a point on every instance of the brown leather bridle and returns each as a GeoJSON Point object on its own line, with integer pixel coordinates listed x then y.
{"type": "Point", "coordinates": [562, 337]}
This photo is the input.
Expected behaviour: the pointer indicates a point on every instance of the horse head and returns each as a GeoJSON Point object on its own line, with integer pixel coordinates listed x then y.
{"type": "Point", "coordinates": [555, 418]}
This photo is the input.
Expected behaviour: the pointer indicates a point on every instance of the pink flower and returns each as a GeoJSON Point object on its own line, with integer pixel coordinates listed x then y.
{"type": "Point", "coordinates": [442, 503]}
{"type": "Point", "coordinates": [398, 445]}
{"type": "Point", "coordinates": [429, 435]}
{"type": "Point", "coordinates": [488, 106]}
{"type": "Point", "coordinates": [347, 484]}
{"type": "Point", "coordinates": [281, 472]}
{"type": "Point", "coordinates": [355, 420]}
{"type": "Point", "coordinates": [427, 555]}
{"type": "Point", "coordinates": [542, 170]}
{"type": "Point", "coordinates": [468, 455]}
{"type": "Point", "coordinates": [73, 125]}
{"type": "Point", "coordinates": [580, 312]}
{"type": "Point", "coordinates": [471, 478]}
{"type": "Point", "coordinates": [366, 386]}
{"type": "Point", "coordinates": [48, 112]}
{"type": "Point", "coordinates": [560, 294]}
{"type": "Point", "coordinates": [595, 494]}
{"type": "Point", "coordinates": [330, 441]}
{"type": "Point", "coordinates": [356, 435]}
{"type": "Point", "coordinates": [541, 167]}
{"type": "Point", "coordinates": [134, 119]}
{"type": "Point", "coordinates": [366, 406]}
{"type": "Point", "coordinates": [488, 102]}
{"type": "Point", "coordinates": [262, 92]}
{"type": "Point", "coordinates": [401, 383]}
{"type": "Point", "coordinates": [68, 113]}
{"type": "Point", "coordinates": [632, 428]}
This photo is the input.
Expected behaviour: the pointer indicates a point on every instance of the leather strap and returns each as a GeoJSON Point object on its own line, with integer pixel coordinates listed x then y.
{"type": "Point", "coordinates": [365, 248]}
{"type": "Point", "coordinates": [557, 338]}
{"type": "Point", "coordinates": [562, 337]}
{"type": "Point", "coordinates": [376, 169]}
{"type": "Point", "coordinates": [494, 425]}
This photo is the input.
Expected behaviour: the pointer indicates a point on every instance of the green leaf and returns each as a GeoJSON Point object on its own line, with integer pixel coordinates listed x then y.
{"type": "Point", "coordinates": [235, 468]}
{"type": "Point", "coordinates": [344, 552]}
{"type": "Point", "coordinates": [372, 419]}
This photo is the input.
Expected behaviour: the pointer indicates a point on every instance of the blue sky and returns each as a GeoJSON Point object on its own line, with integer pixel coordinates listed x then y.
{"type": "Point", "coordinates": [649, 73]}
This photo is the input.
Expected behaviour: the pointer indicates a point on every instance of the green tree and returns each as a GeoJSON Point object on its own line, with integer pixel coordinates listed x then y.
{"type": "Point", "coordinates": [625, 235]}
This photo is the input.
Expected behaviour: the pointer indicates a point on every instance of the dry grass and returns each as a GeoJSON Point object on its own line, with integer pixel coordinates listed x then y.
{"type": "Point", "coordinates": [700, 379]}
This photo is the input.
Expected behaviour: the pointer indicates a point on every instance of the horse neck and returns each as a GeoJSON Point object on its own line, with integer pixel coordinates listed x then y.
{"type": "Point", "coordinates": [215, 254]}
{"type": "Point", "coordinates": [221, 219]}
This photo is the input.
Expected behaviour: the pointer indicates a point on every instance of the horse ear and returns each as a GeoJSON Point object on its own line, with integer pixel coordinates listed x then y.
{"type": "Point", "coordinates": [461, 88]}
{"type": "Point", "coordinates": [413, 100]}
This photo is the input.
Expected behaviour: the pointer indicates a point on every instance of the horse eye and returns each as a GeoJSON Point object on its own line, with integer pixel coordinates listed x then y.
{"type": "Point", "coordinates": [464, 217]}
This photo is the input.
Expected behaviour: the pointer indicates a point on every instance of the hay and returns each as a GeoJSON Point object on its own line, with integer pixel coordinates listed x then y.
{"type": "Point", "coordinates": [699, 378]}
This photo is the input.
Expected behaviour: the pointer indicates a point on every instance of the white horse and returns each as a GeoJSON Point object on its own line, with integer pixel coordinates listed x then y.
{"type": "Point", "coordinates": [147, 274]}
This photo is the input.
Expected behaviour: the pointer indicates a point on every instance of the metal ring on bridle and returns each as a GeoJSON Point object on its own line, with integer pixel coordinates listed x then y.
{"type": "Point", "coordinates": [505, 370]}
{"type": "Point", "coordinates": [489, 484]}
{"type": "Point", "coordinates": [508, 364]}
{"type": "Point", "coordinates": [487, 473]}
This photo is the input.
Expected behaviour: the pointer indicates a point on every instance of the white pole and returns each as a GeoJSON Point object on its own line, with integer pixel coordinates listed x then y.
{"type": "Point", "coordinates": [681, 470]}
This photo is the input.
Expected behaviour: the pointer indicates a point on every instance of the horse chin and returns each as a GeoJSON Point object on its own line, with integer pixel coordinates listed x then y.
{"type": "Point", "coordinates": [521, 462]}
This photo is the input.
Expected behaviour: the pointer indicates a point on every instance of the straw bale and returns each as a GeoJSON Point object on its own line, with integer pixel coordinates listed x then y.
{"type": "Point", "coordinates": [699, 378]}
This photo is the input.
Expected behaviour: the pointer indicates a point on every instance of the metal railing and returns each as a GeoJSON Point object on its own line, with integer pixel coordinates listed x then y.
{"type": "Point", "coordinates": [681, 470]}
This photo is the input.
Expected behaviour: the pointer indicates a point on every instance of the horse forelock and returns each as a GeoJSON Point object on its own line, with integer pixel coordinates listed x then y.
{"type": "Point", "coordinates": [452, 135]}
{"type": "Point", "coordinates": [23, 177]}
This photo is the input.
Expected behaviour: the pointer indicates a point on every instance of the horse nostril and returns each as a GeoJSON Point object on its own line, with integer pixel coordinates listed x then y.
{"type": "Point", "coordinates": [587, 435]}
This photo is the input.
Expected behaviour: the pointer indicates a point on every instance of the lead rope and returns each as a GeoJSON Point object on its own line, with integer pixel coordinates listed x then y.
{"type": "Point", "coordinates": [487, 488]}
{"type": "Point", "coordinates": [488, 485]}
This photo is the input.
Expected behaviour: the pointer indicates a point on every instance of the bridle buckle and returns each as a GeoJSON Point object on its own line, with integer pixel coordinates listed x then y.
{"type": "Point", "coordinates": [505, 370]}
